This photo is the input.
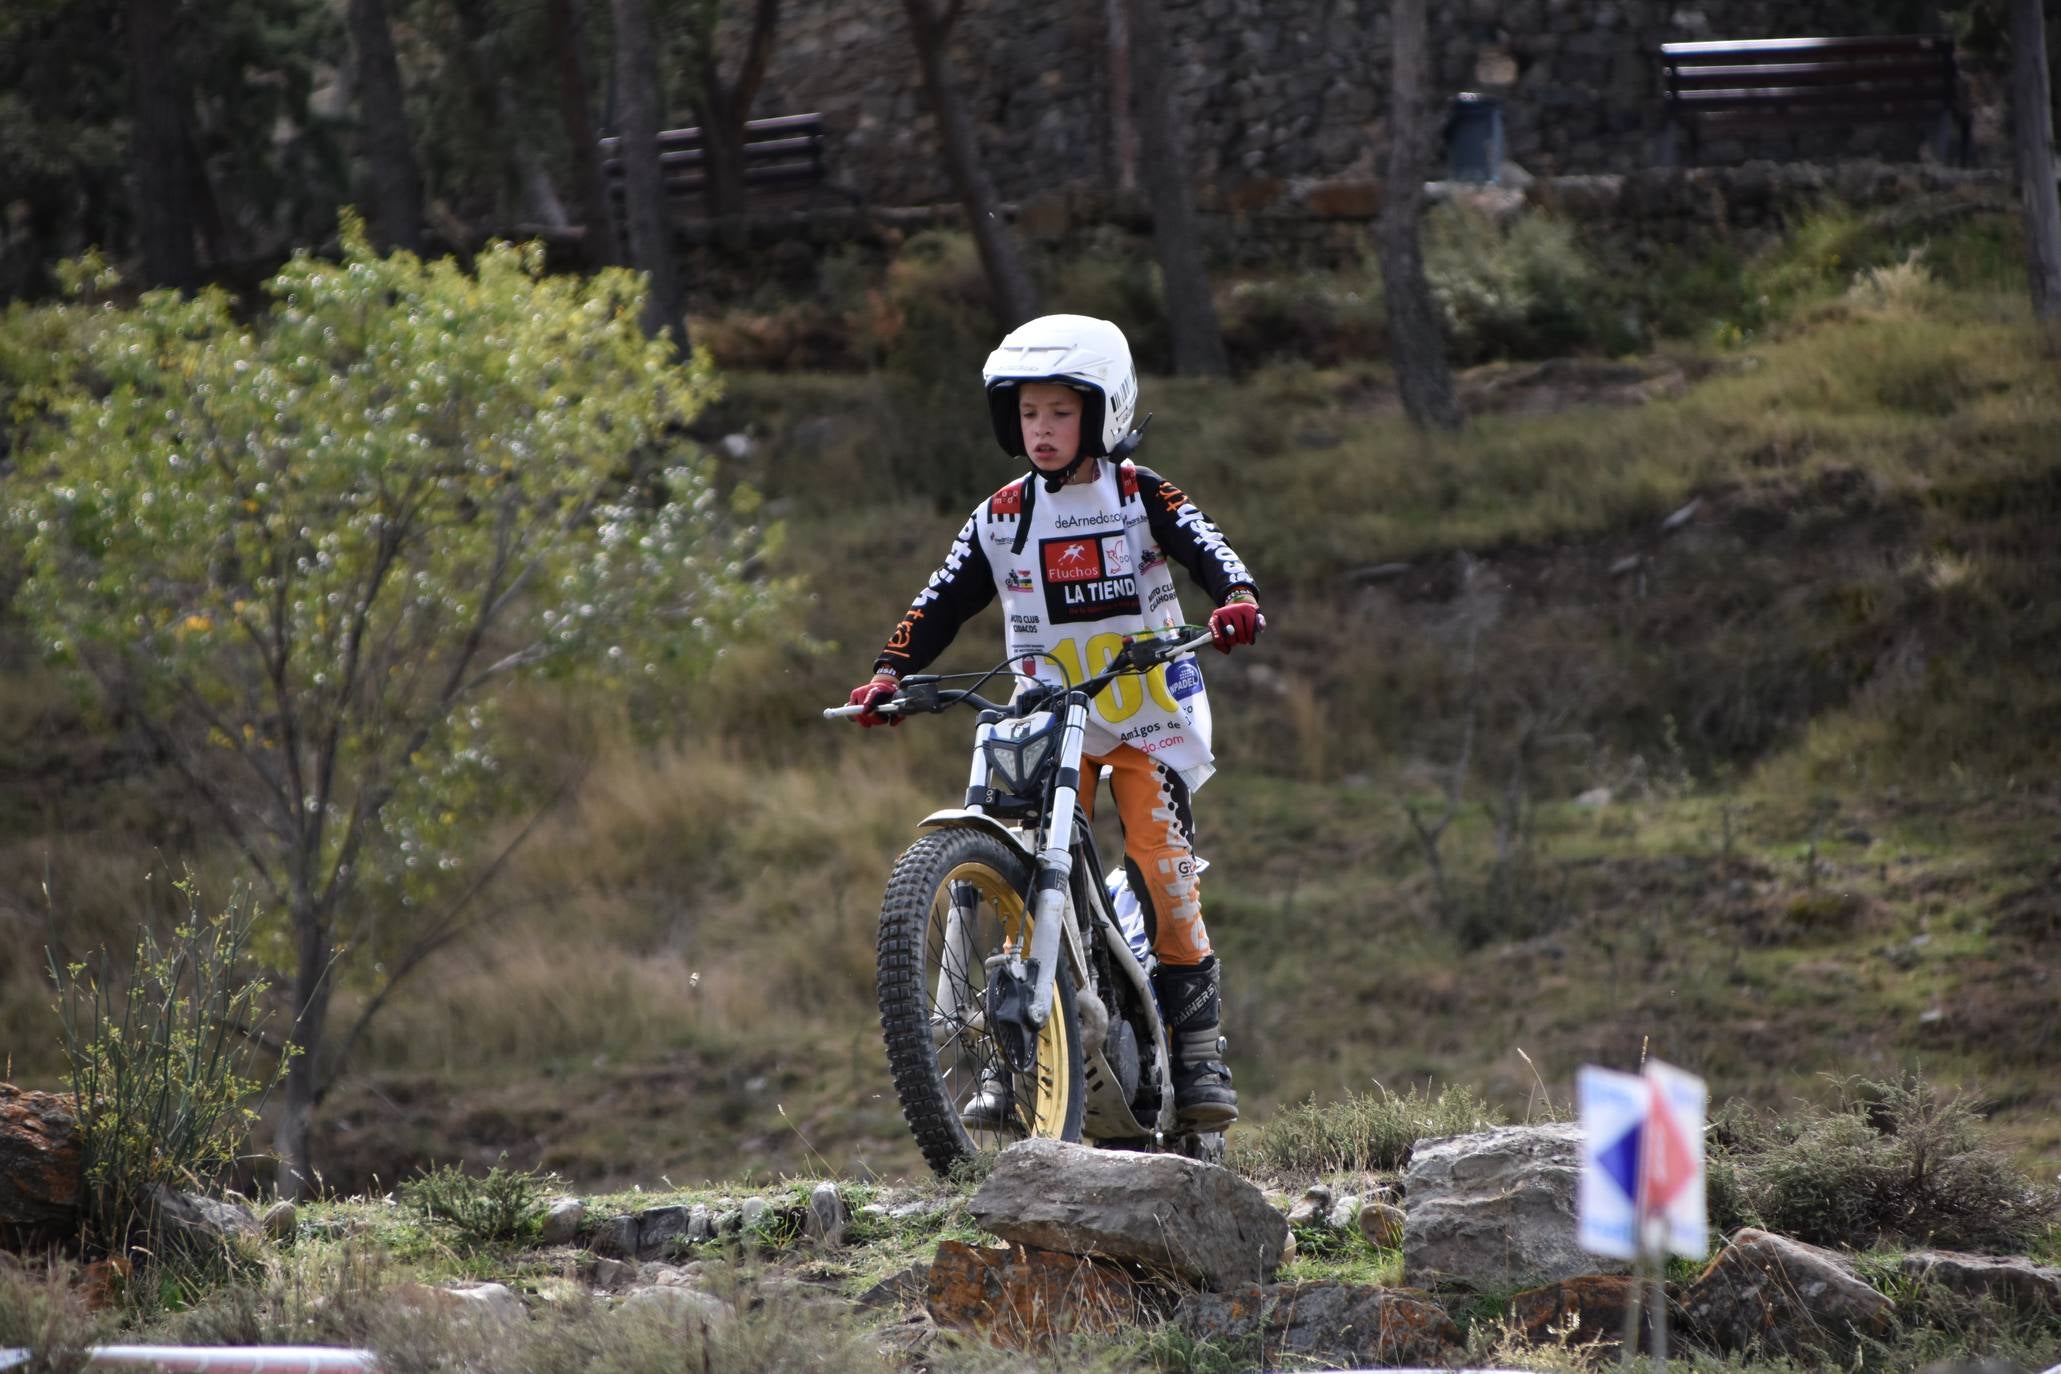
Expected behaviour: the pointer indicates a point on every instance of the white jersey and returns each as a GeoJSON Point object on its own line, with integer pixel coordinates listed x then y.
{"type": "Point", "coordinates": [1076, 571]}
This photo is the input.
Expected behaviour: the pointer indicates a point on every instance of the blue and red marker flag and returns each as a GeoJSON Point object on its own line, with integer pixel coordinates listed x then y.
{"type": "Point", "coordinates": [1642, 1162]}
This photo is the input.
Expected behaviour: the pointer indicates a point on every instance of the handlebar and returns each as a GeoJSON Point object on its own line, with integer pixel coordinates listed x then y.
{"type": "Point", "coordinates": [922, 695]}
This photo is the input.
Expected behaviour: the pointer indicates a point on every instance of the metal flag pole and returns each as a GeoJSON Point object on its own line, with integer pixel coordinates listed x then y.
{"type": "Point", "coordinates": [1653, 1243]}
{"type": "Point", "coordinates": [1628, 1346]}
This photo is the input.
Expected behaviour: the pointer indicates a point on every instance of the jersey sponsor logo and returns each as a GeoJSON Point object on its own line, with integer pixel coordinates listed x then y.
{"type": "Point", "coordinates": [1116, 556]}
{"type": "Point", "coordinates": [1089, 521]}
{"type": "Point", "coordinates": [1072, 560]}
{"type": "Point", "coordinates": [1127, 480]}
{"type": "Point", "coordinates": [1006, 503]}
{"type": "Point", "coordinates": [1079, 583]}
{"type": "Point", "coordinates": [1025, 624]}
{"type": "Point", "coordinates": [1152, 558]}
{"type": "Point", "coordinates": [1162, 595]}
{"type": "Point", "coordinates": [1019, 580]}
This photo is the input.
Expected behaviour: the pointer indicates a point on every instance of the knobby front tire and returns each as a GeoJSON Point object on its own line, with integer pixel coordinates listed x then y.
{"type": "Point", "coordinates": [932, 1002]}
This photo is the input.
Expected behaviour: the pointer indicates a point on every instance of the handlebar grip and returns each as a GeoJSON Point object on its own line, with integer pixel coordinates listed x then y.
{"type": "Point", "coordinates": [885, 708]}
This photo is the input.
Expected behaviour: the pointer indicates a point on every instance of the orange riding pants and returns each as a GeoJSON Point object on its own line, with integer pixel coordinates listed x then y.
{"type": "Point", "coordinates": [1159, 850]}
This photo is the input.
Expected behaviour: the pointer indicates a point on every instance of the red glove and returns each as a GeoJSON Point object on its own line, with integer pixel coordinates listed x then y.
{"type": "Point", "coordinates": [870, 695]}
{"type": "Point", "coordinates": [1237, 622]}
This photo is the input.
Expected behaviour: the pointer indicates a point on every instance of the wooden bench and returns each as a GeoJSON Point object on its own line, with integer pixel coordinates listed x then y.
{"type": "Point", "coordinates": [783, 151]}
{"type": "Point", "coordinates": [1792, 82]}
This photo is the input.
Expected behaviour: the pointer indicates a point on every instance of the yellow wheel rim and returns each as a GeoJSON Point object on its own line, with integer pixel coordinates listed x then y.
{"type": "Point", "coordinates": [1045, 1114]}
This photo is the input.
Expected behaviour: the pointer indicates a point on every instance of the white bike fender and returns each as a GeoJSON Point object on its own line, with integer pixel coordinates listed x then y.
{"type": "Point", "coordinates": [958, 818]}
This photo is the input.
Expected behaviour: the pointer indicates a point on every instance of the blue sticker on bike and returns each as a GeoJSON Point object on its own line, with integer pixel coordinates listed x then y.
{"type": "Point", "coordinates": [1184, 679]}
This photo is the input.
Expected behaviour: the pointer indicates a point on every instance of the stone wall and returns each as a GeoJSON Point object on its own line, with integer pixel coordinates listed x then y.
{"type": "Point", "coordinates": [1329, 224]}
{"type": "Point", "coordinates": [1286, 90]}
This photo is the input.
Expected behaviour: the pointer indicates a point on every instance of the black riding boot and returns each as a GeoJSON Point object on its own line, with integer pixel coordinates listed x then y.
{"type": "Point", "coordinates": [1190, 1001]}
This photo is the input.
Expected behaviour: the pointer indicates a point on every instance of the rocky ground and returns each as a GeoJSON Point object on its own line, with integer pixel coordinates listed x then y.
{"type": "Point", "coordinates": [1466, 1256]}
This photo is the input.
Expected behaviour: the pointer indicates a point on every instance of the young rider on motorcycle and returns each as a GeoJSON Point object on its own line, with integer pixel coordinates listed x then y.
{"type": "Point", "coordinates": [1077, 551]}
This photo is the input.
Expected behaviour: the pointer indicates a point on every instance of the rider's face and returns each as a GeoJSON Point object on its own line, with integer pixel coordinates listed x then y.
{"type": "Point", "coordinates": [1051, 416]}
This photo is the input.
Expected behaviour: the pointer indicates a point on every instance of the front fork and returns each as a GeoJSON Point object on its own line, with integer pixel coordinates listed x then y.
{"type": "Point", "coordinates": [1055, 866]}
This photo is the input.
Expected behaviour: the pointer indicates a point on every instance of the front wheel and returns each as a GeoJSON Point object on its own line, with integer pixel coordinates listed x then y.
{"type": "Point", "coordinates": [954, 900]}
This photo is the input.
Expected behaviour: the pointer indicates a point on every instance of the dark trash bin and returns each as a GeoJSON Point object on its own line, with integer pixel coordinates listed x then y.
{"type": "Point", "coordinates": [1474, 137]}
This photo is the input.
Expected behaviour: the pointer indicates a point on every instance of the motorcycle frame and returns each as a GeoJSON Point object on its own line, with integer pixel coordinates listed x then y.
{"type": "Point", "coordinates": [1063, 859]}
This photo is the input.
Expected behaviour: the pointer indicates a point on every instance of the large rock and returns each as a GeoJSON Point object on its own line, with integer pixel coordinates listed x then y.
{"type": "Point", "coordinates": [40, 1165]}
{"type": "Point", "coordinates": [2015, 1283]}
{"type": "Point", "coordinates": [201, 1222]}
{"type": "Point", "coordinates": [653, 1232]}
{"type": "Point", "coordinates": [1589, 1310]}
{"type": "Point", "coordinates": [1336, 1323]}
{"type": "Point", "coordinates": [561, 1224]}
{"type": "Point", "coordinates": [1777, 1296]}
{"type": "Point", "coordinates": [1495, 1210]}
{"type": "Point", "coordinates": [1026, 1298]}
{"type": "Point", "coordinates": [1199, 1222]}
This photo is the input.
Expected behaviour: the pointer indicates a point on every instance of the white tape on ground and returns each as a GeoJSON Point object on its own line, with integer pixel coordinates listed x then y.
{"type": "Point", "coordinates": [233, 1359]}
{"type": "Point", "coordinates": [248, 1359]}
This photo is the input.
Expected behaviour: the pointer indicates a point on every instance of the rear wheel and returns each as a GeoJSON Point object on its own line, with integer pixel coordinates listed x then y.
{"type": "Point", "coordinates": [955, 899]}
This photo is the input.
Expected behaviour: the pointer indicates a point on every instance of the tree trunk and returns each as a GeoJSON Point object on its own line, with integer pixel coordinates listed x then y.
{"type": "Point", "coordinates": [722, 145]}
{"type": "Point", "coordinates": [314, 952]}
{"type": "Point", "coordinates": [159, 151]}
{"type": "Point", "coordinates": [568, 27]}
{"type": "Point", "coordinates": [1416, 343]}
{"type": "Point", "coordinates": [396, 217]}
{"type": "Point", "coordinates": [723, 110]}
{"type": "Point", "coordinates": [1014, 299]}
{"type": "Point", "coordinates": [526, 193]}
{"type": "Point", "coordinates": [2032, 139]}
{"type": "Point", "coordinates": [1123, 134]}
{"type": "Point", "coordinates": [644, 204]}
{"type": "Point", "coordinates": [1191, 311]}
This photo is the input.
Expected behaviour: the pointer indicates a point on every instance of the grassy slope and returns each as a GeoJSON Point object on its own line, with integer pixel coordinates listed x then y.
{"type": "Point", "coordinates": [1826, 712]}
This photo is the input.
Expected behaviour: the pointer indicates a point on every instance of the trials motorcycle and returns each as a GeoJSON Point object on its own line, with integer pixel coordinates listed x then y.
{"type": "Point", "coordinates": [1014, 998]}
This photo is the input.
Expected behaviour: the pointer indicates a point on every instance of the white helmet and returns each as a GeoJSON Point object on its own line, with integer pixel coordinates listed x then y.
{"type": "Point", "coordinates": [1079, 351]}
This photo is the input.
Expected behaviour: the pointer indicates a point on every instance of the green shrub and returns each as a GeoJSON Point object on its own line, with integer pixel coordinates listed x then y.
{"type": "Point", "coordinates": [499, 1207]}
{"type": "Point", "coordinates": [163, 1055]}
{"type": "Point", "coordinates": [1360, 1132]}
{"type": "Point", "coordinates": [1319, 319]}
{"type": "Point", "coordinates": [1891, 1163]}
{"type": "Point", "coordinates": [1517, 289]}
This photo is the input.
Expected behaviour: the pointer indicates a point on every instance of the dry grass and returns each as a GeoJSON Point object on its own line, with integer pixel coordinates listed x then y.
{"type": "Point", "coordinates": [1358, 1133]}
{"type": "Point", "coordinates": [683, 897]}
{"type": "Point", "coordinates": [43, 1310]}
{"type": "Point", "coordinates": [1860, 611]}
